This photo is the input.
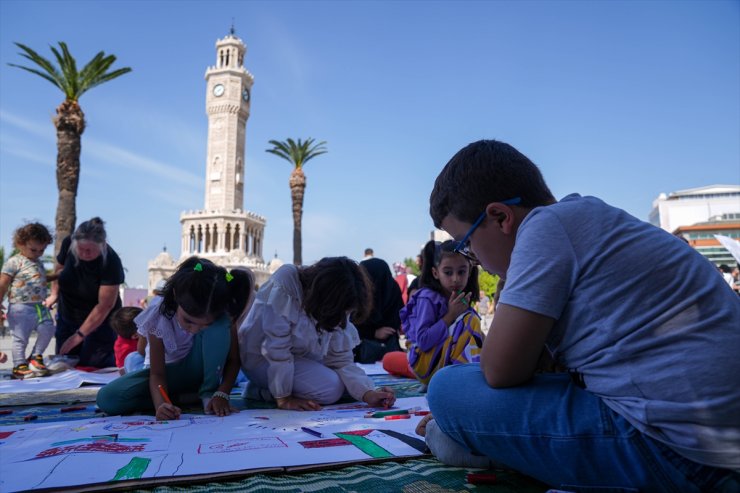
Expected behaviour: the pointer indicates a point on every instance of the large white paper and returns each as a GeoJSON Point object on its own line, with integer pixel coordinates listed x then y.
{"type": "Point", "coordinates": [66, 380]}
{"type": "Point", "coordinates": [83, 452]}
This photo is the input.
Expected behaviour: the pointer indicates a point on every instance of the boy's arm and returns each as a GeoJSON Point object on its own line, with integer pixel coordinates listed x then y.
{"type": "Point", "coordinates": [513, 346]}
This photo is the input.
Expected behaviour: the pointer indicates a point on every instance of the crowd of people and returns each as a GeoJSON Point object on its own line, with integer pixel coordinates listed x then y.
{"type": "Point", "coordinates": [607, 356]}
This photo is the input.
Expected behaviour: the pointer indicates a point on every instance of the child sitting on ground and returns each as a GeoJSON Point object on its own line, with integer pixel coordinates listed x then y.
{"type": "Point", "coordinates": [439, 321]}
{"type": "Point", "coordinates": [646, 327]}
{"type": "Point", "coordinates": [129, 348]}
{"type": "Point", "coordinates": [24, 279]}
{"type": "Point", "coordinates": [192, 343]}
{"type": "Point", "coordinates": [296, 343]}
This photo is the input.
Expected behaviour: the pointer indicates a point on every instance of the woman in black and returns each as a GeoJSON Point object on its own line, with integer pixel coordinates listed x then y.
{"type": "Point", "coordinates": [379, 332]}
{"type": "Point", "coordinates": [90, 273]}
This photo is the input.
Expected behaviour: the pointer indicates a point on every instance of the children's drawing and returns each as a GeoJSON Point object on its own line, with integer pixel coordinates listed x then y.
{"type": "Point", "coordinates": [94, 452]}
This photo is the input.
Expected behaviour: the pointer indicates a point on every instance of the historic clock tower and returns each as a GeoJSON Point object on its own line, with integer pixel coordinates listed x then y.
{"type": "Point", "coordinates": [228, 91]}
{"type": "Point", "coordinates": [223, 232]}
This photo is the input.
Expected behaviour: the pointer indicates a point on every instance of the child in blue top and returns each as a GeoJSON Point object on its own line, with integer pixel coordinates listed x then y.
{"type": "Point", "coordinates": [192, 343]}
{"type": "Point", "coordinates": [645, 326]}
{"type": "Point", "coordinates": [24, 279]}
{"type": "Point", "coordinates": [439, 321]}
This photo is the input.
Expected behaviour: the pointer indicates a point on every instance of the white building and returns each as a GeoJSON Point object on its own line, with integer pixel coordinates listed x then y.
{"type": "Point", "coordinates": [222, 231]}
{"type": "Point", "coordinates": [695, 205]}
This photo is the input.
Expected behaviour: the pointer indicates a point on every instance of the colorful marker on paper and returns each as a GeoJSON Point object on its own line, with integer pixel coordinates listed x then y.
{"type": "Point", "coordinates": [29, 417]}
{"type": "Point", "coordinates": [164, 394]}
{"type": "Point", "coordinates": [72, 408]}
{"type": "Point", "coordinates": [383, 414]}
{"type": "Point", "coordinates": [398, 416]}
{"type": "Point", "coordinates": [311, 432]}
{"type": "Point", "coordinates": [6, 411]}
{"type": "Point", "coordinates": [479, 478]}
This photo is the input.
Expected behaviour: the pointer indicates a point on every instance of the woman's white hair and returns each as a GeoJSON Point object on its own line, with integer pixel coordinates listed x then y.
{"type": "Point", "coordinates": [93, 231]}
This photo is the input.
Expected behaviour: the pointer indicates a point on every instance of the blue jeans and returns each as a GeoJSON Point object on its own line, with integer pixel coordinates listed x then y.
{"type": "Point", "coordinates": [562, 435]}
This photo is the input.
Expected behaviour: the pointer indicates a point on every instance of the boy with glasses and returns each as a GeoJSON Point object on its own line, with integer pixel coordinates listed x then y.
{"type": "Point", "coordinates": [642, 321]}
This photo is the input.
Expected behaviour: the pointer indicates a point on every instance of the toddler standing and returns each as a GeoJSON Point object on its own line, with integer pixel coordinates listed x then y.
{"type": "Point", "coordinates": [24, 279]}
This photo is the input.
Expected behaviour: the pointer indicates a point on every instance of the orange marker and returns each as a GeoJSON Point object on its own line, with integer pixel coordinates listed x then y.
{"type": "Point", "coordinates": [164, 395]}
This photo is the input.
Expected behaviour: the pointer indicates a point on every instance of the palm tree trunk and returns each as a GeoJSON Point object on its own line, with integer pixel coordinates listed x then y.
{"type": "Point", "coordinates": [70, 123]}
{"type": "Point", "coordinates": [297, 190]}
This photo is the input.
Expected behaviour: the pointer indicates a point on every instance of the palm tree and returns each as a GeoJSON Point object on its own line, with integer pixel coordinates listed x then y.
{"type": "Point", "coordinates": [297, 153]}
{"type": "Point", "coordinates": [70, 120]}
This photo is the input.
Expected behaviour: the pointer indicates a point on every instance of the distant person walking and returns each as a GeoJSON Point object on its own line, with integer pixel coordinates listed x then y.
{"type": "Point", "coordinates": [90, 273]}
{"type": "Point", "coordinates": [24, 279]}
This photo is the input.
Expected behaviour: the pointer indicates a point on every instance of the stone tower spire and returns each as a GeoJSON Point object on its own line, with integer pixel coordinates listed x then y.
{"type": "Point", "coordinates": [223, 231]}
{"type": "Point", "coordinates": [228, 94]}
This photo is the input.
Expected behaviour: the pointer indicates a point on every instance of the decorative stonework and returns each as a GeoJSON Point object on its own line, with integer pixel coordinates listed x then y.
{"type": "Point", "coordinates": [222, 232]}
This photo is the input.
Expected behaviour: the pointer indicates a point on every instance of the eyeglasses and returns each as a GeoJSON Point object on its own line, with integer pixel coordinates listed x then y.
{"type": "Point", "coordinates": [463, 246]}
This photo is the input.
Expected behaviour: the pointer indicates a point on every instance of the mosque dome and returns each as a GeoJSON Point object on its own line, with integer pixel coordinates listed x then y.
{"type": "Point", "coordinates": [274, 264]}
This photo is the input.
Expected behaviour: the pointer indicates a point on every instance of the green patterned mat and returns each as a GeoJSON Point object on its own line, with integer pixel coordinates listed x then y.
{"type": "Point", "coordinates": [412, 476]}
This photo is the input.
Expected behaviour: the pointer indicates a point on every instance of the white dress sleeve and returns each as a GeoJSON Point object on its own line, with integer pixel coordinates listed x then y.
{"type": "Point", "coordinates": [341, 359]}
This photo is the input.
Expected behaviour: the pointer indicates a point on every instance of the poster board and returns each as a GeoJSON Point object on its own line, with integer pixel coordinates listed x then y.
{"type": "Point", "coordinates": [107, 451]}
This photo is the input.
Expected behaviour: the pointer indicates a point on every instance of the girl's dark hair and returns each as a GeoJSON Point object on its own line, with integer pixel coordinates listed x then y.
{"type": "Point", "coordinates": [432, 255]}
{"type": "Point", "coordinates": [32, 232]}
{"type": "Point", "coordinates": [202, 288]}
{"type": "Point", "coordinates": [332, 287]}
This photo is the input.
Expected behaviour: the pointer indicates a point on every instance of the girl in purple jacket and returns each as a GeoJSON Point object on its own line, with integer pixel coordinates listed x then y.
{"type": "Point", "coordinates": [440, 324]}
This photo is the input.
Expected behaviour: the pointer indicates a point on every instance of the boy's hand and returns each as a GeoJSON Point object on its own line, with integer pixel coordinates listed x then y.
{"type": "Point", "coordinates": [297, 404]}
{"type": "Point", "coordinates": [167, 412]}
{"type": "Point", "coordinates": [383, 397]}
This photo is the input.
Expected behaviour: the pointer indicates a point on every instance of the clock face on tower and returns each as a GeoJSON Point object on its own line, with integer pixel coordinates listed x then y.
{"type": "Point", "coordinates": [245, 95]}
{"type": "Point", "coordinates": [218, 90]}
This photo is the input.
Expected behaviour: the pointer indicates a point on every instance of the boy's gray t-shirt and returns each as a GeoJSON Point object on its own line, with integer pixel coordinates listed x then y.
{"type": "Point", "coordinates": [648, 322]}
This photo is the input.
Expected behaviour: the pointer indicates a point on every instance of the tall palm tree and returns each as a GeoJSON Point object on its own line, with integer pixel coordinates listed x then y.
{"type": "Point", "coordinates": [297, 153]}
{"type": "Point", "coordinates": [70, 120]}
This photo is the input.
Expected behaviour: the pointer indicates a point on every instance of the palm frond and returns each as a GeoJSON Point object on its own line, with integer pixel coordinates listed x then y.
{"type": "Point", "coordinates": [73, 82]}
{"type": "Point", "coordinates": [297, 152]}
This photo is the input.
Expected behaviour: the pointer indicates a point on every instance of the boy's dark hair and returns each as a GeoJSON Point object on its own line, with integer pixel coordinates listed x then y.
{"type": "Point", "coordinates": [432, 255]}
{"type": "Point", "coordinates": [725, 269]}
{"type": "Point", "coordinates": [32, 232]}
{"type": "Point", "coordinates": [202, 288]}
{"type": "Point", "coordinates": [122, 321]}
{"type": "Point", "coordinates": [332, 287]}
{"type": "Point", "coordinates": [483, 172]}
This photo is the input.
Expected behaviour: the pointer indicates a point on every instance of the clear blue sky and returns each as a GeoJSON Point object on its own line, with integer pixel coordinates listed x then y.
{"type": "Point", "coordinates": [622, 100]}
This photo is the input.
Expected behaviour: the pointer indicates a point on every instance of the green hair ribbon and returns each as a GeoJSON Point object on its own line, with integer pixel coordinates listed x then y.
{"type": "Point", "coordinates": [198, 267]}
{"type": "Point", "coordinates": [229, 277]}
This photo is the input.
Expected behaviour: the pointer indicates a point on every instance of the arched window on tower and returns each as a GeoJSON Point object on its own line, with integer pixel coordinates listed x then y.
{"type": "Point", "coordinates": [228, 52]}
{"type": "Point", "coordinates": [200, 239]}
{"type": "Point", "coordinates": [191, 240]}
{"type": "Point", "coordinates": [208, 238]}
{"type": "Point", "coordinates": [237, 237]}
{"type": "Point", "coordinates": [221, 58]}
{"type": "Point", "coordinates": [214, 245]}
{"type": "Point", "coordinates": [227, 238]}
